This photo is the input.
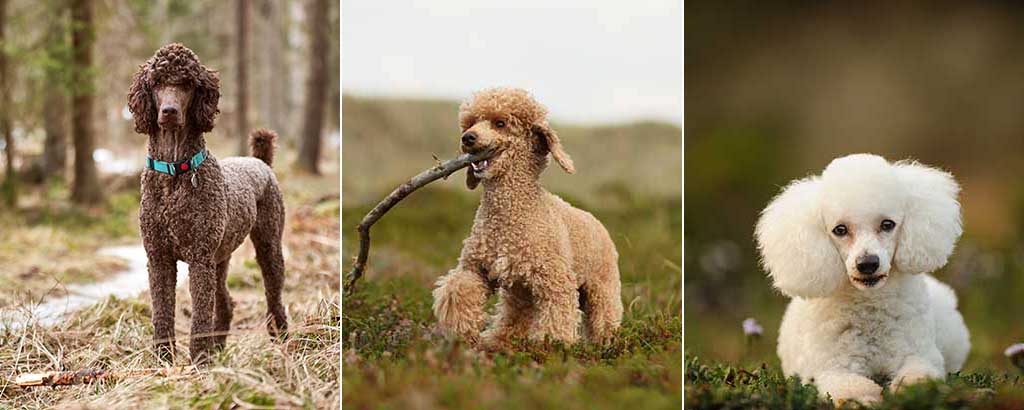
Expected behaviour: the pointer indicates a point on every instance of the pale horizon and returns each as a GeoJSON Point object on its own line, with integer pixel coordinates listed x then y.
{"type": "Point", "coordinates": [621, 62]}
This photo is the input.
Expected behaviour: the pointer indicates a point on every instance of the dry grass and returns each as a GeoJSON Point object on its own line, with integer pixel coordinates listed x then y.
{"type": "Point", "coordinates": [254, 370]}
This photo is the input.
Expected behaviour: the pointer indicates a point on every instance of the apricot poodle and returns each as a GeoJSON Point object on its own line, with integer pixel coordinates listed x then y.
{"type": "Point", "coordinates": [547, 260]}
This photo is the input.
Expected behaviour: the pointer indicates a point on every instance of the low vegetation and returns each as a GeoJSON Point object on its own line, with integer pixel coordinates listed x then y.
{"type": "Point", "coordinates": [393, 357]}
{"type": "Point", "coordinates": [721, 386]}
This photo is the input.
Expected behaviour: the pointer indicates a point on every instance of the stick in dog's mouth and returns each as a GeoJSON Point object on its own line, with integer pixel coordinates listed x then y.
{"type": "Point", "coordinates": [478, 161]}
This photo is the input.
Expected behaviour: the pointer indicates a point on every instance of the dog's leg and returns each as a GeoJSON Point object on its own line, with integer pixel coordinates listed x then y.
{"type": "Point", "coordinates": [459, 299]}
{"type": "Point", "coordinates": [202, 280]}
{"type": "Point", "coordinates": [162, 281]}
{"type": "Point", "coordinates": [916, 369]}
{"type": "Point", "coordinates": [558, 306]}
{"type": "Point", "coordinates": [515, 314]}
{"type": "Point", "coordinates": [222, 318]}
{"type": "Point", "coordinates": [843, 386]}
{"type": "Point", "coordinates": [266, 237]}
{"type": "Point", "coordinates": [601, 304]}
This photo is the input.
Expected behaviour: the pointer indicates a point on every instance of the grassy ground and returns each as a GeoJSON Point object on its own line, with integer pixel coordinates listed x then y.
{"type": "Point", "coordinates": [254, 370]}
{"type": "Point", "coordinates": [720, 386]}
{"type": "Point", "coordinates": [48, 243]}
{"type": "Point", "coordinates": [393, 359]}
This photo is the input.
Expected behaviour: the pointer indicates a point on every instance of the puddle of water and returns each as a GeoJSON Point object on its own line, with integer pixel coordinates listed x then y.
{"type": "Point", "coordinates": [127, 283]}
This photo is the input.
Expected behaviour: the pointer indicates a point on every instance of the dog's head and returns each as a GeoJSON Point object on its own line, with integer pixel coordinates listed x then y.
{"type": "Point", "coordinates": [863, 220]}
{"type": "Point", "coordinates": [510, 124]}
{"type": "Point", "coordinates": [173, 91]}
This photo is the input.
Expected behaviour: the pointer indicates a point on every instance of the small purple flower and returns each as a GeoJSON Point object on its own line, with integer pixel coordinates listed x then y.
{"type": "Point", "coordinates": [1016, 354]}
{"type": "Point", "coordinates": [751, 328]}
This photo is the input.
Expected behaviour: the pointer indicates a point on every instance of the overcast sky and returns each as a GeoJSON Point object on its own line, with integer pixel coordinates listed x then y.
{"type": "Point", "coordinates": [588, 61]}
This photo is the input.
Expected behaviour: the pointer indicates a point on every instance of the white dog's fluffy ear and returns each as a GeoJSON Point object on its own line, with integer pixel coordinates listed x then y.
{"type": "Point", "coordinates": [795, 247]}
{"type": "Point", "coordinates": [932, 223]}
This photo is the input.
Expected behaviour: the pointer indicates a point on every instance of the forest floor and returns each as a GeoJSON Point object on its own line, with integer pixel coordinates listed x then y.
{"type": "Point", "coordinates": [48, 246]}
{"type": "Point", "coordinates": [393, 357]}
{"type": "Point", "coordinates": [712, 385]}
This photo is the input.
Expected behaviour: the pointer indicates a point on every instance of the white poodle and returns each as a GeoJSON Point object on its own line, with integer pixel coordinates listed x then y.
{"type": "Point", "coordinates": [853, 248]}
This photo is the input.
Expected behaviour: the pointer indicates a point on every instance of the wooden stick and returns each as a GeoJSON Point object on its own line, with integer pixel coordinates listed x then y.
{"type": "Point", "coordinates": [71, 378]}
{"type": "Point", "coordinates": [441, 170]}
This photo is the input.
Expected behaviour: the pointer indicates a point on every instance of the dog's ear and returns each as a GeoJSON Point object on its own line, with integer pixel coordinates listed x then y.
{"type": "Point", "coordinates": [141, 103]}
{"type": "Point", "coordinates": [205, 99]}
{"type": "Point", "coordinates": [471, 180]}
{"type": "Point", "coordinates": [554, 145]}
{"type": "Point", "coordinates": [932, 223]}
{"type": "Point", "coordinates": [795, 247]}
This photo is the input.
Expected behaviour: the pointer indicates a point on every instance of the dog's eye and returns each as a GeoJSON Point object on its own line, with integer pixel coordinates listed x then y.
{"type": "Point", "coordinates": [839, 230]}
{"type": "Point", "coordinates": [888, 225]}
{"type": "Point", "coordinates": [499, 123]}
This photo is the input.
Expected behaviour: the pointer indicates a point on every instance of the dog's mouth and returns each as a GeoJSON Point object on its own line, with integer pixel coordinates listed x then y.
{"type": "Point", "coordinates": [169, 124]}
{"type": "Point", "coordinates": [481, 166]}
{"type": "Point", "coordinates": [869, 281]}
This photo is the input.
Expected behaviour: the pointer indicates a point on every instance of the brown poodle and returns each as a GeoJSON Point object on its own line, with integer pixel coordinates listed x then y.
{"type": "Point", "coordinates": [549, 259]}
{"type": "Point", "coordinates": [198, 209]}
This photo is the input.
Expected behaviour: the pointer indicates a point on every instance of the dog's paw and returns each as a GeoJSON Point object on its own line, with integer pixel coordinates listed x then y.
{"type": "Point", "coordinates": [914, 371]}
{"type": "Point", "coordinates": [901, 382]}
{"type": "Point", "coordinates": [854, 389]}
{"type": "Point", "coordinates": [857, 402]}
{"type": "Point", "coordinates": [491, 341]}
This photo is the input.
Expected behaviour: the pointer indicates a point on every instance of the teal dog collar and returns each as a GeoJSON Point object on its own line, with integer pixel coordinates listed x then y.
{"type": "Point", "coordinates": [180, 167]}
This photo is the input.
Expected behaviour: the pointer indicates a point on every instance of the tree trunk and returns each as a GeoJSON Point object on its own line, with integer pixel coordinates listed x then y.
{"type": "Point", "coordinates": [55, 146]}
{"type": "Point", "coordinates": [316, 88]}
{"type": "Point", "coordinates": [243, 76]}
{"type": "Point", "coordinates": [274, 63]}
{"type": "Point", "coordinates": [10, 193]}
{"type": "Point", "coordinates": [86, 187]}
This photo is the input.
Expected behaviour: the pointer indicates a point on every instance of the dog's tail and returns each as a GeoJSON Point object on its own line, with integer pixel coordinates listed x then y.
{"type": "Point", "coordinates": [261, 144]}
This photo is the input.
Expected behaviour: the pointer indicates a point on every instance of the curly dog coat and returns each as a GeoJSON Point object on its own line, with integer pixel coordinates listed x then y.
{"type": "Point", "coordinates": [854, 247]}
{"type": "Point", "coordinates": [204, 213]}
{"type": "Point", "coordinates": [547, 260]}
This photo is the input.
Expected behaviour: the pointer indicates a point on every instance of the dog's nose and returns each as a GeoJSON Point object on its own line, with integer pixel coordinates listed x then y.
{"type": "Point", "coordinates": [468, 139]}
{"type": "Point", "coordinates": [169, 110]}
{"type": "Point", "coordinates": [867, 264]}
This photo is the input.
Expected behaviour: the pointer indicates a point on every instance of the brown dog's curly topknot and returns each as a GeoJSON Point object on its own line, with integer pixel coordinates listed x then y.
{"type": "Point", "coordinates": [174, 64]}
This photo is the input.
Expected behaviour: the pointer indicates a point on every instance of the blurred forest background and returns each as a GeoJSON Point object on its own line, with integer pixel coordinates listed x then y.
{"type": "Point", "coordinates": [67, 64]}
{"type": "Point", "coordinates": [775, 91]}
{"type": "Point", "coordinates": [69, 192]}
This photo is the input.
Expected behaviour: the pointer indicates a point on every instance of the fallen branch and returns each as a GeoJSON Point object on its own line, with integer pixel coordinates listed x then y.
{"type": "Point", "coordinates": [441, 170]}
{"type": "Point", "coordinates": [71, 378]}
